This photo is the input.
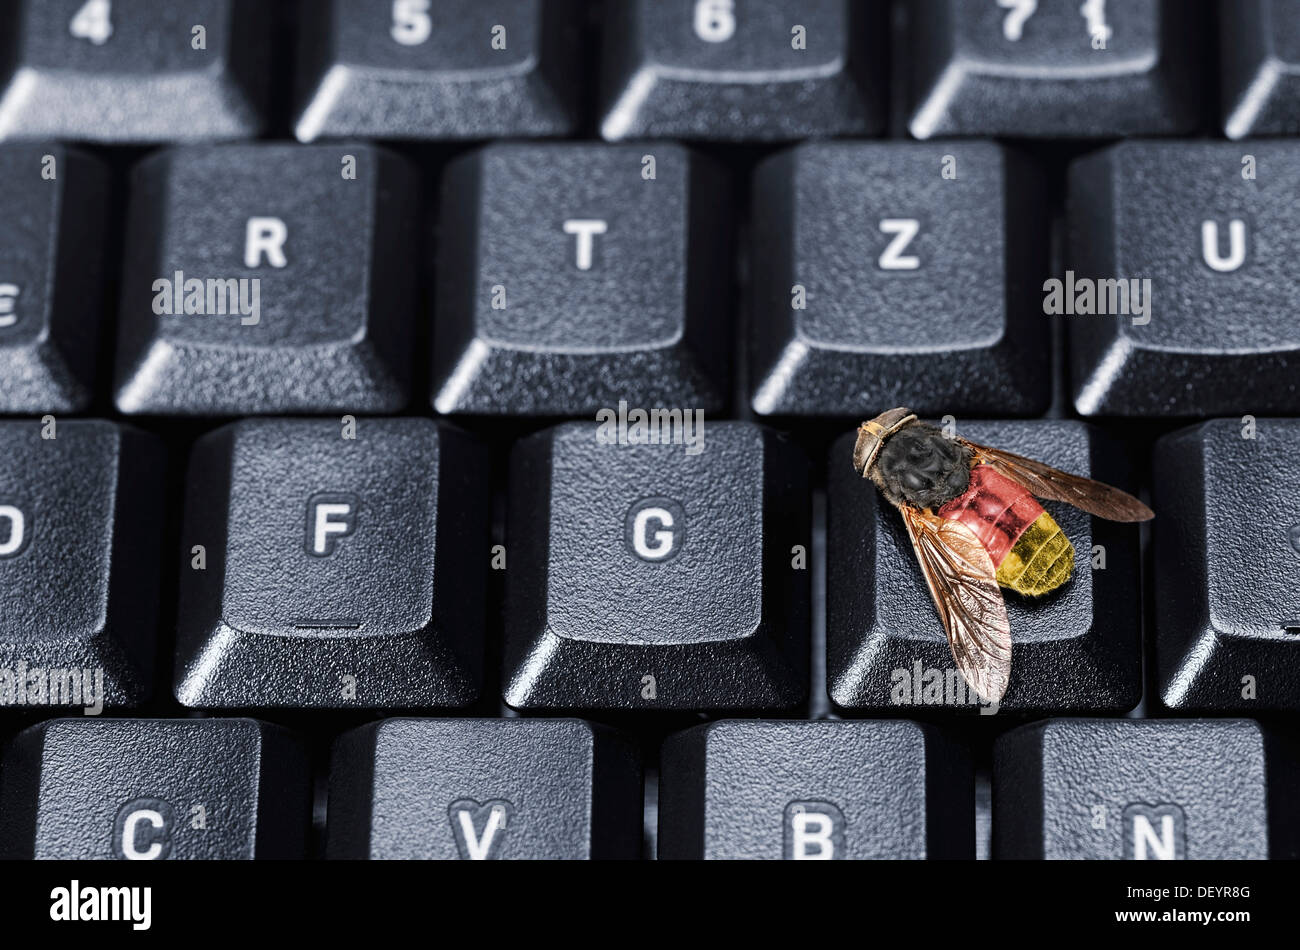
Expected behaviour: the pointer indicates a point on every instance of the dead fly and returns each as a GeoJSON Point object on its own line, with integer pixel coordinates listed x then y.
{"type": "Point", "coordinates": [975, 527]}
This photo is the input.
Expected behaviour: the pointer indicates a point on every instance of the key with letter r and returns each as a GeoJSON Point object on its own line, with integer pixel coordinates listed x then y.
{"type": "Point", "coordinates": [736, 790]}
{"type": "Point", "coordinates": [300, 262]}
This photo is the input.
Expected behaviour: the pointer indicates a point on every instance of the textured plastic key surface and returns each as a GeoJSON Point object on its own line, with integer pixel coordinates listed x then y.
{"type": "Point", "coordinates": [643, 577]}
{"type": "Point", "coordinates": [79, 539]}
{"type": "Point", "coordinates": [1218, 236]}
{"type": "Point", "coordinates": [327, 233]}
{"type": "Point", "coordinates": [880, 281]}
{"type": "Point", "coordinates": [1076, 649]}
{"type": "Point", "coordinates": [134, 70]}
{"type": "Point", "coordinates": [569, 280]}
{"type": "Point", "coordinates": [815, 790]}
{"type": "Point", "coordinates": [1259, 43]}
{"type": "Point", "coordinates": [1067, 69]}
{"type": "Point", "coordinates": [759, 70]}
{"type": "Point", "coordinates": [154, 789]}
{"type": "Point", "coordinates": [450, 69]}
{"type": "Point", "coordinates": [1124, 789]}
{"type": "Point", "coordinates": [51, 266]}
{"type": "Point", "coordinates": [484, 789]}
{"type": "Point", "coordinates": [340, 572]}
{"type": "Point", "coordinates": [1227, 544]}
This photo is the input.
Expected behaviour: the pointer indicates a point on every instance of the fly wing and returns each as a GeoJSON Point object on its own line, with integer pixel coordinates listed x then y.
{"type": "Point", "coordinates": [964, 585]}
{"type": "Point", "coordinates": [1096, 498]}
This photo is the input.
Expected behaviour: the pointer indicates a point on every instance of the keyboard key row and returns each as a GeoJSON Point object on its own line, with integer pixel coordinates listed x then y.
{"type": "Point", "coordinates": [563, 789]}
{"type": "Point", "coordinates": [146, 71]}
{"type": "Point", "coordinates": [570, 276]}
{"type": "Point", "coordinates": [343, 564]}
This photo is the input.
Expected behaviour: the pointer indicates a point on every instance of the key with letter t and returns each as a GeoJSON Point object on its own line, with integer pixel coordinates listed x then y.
{"type": "Point", "coordinates": [573, 276]}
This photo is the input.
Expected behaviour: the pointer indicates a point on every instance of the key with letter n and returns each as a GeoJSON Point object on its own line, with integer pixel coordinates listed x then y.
{"type": "Point", "coordinates": [1125, 789]}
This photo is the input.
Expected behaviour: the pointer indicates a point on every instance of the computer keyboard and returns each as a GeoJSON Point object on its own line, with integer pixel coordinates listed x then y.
{"type": "Point", "coordinates": [428, 424]}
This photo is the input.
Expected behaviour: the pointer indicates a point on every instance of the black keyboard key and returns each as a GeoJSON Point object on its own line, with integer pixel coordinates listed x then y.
{"type": "Point", "coordinates": [659, 576]}
{"type": "Point", "coordinates": [1228, 536]}
{"type": "Point", "coordinates": [52, 203]}
{"type": "Point", "coordinates": [300, 263]}
{"type": "Point", "coordinates": [882, 281]}
{"type": "Point", "coordinates": [1259, 43]}
{"type": "Point", "coordinates": [438, 69]}
{"type": "Point", "coordinates": [1074, 650]}
{"type": "Point", "coordinates": [339, 572]}
{"type": "Point", "coordinates": [569, 280]}
{"type": "Point", "coordinates": [155, 790]}
{"type": "Point", "coordinates": [1054, 68]}
{"type": "Point", "coordinates": [1123, 789]}
{"type": "Point", "coordinates": [1207, 235]}
{"type": "Point", "coordinates": [754, 70]}
{"type": "Point", "coordinates": [824, 791]}
{"type": "Point", "coordinates": [484, 789]}
{"type": "Point", "coordinates": [79, 537]}
{"type": "Point", "coordinates": [134, 70]}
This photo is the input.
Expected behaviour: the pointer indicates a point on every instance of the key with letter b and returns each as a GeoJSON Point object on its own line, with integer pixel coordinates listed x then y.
{"type": "Point", "coordinates": [824, 791]}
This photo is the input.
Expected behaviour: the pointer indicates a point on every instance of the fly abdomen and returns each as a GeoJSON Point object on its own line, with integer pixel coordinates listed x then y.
{"type": "Point", "coordinates": [1030, 551]}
